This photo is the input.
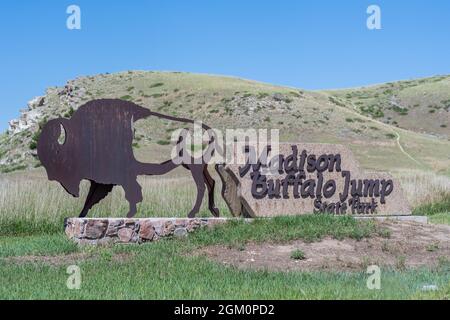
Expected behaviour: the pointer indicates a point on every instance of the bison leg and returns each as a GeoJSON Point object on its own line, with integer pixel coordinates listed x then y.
{"type": "Point", "coordinates": [210, 183]}
{"type": "Point", "coordinates": [97, 192]}
{"type": "Point", "coordinates": [197, 174]}
{"type": "Point", "coordinates": [133, 194]}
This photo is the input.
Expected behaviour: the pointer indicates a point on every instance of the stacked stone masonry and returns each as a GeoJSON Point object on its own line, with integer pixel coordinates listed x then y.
{"type": "Point", "coordinates": [118, 230]}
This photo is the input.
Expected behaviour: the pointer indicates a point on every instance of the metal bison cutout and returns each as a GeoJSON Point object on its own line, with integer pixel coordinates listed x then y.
{"type": "Point", "coordinates": [98, 147]}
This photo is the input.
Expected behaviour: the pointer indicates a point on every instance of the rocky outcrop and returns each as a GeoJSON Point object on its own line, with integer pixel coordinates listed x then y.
{"type": "Point", "coordinates": [28, 117]}
{"type": "Point", "coordinates": [69, 96]}
{"type": "Point", "coordinates": [19, 143]}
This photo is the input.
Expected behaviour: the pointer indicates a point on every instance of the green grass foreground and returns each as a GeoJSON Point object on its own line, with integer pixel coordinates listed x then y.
{"type": "Point", "coordinates": [168, 270]}
{"type": "Point", "coordinates": [437, 212]}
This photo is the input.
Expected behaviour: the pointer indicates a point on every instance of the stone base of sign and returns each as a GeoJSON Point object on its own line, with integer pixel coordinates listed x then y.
{"type": "Point", "coordinates": [100, 231]}
{"type": "Point", "coordinates": [419, 219]}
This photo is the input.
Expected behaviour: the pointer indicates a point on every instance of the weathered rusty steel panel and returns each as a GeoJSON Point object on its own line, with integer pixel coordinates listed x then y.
{"type": "Point", "coordinates": [98, 147]}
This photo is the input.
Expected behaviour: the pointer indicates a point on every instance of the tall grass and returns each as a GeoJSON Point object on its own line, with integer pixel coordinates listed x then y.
{"type": "Point", "coordinates": [424, 188]}
{"type": "Point", "coordinates": [31, 205]}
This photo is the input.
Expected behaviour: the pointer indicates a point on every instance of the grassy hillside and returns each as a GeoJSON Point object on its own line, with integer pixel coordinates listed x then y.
{"type": "Point", "coordinates": [421, 105]}
{"type": "Point", "coordinates": [345, 116]}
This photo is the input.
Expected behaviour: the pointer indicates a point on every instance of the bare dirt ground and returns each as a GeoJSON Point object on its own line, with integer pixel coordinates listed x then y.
{"type": "Point", "coordinates": [410, 245]}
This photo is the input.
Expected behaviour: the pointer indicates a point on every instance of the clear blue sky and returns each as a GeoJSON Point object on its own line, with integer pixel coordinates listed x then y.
{"type": "Point", "coordinates": [308, 44]}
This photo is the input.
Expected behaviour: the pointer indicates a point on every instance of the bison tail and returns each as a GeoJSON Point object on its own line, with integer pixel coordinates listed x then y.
{"type": "Point", "coordinates": [151, 169]}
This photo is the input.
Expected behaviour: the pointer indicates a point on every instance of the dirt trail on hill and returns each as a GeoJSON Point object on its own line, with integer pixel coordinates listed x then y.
{"type": "Point", "coordinates": [389, 127]}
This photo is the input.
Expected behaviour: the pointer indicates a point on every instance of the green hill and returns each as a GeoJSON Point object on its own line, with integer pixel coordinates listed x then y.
{"type": "Point", "coordinates": [421, 105]}
{"type": "Point", "coordinates": [395, 125]}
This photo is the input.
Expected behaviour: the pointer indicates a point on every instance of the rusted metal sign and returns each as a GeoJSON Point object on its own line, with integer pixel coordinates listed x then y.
{"type": "Point", "coordinates": [98, 147]}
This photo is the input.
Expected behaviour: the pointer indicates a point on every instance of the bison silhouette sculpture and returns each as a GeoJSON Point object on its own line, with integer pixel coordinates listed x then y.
{"type": "Point", "coordinates": [97, 146]}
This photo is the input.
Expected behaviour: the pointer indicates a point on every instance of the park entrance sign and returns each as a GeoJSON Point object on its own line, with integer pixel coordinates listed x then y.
{"type": "Point", "coordinates": [290, 179]}
{"type": "Point", "coordinates": [309, 178]}
{"type": "Point", "coordinates": [95, 144]}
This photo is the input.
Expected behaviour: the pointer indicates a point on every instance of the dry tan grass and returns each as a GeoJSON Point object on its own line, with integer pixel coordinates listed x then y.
{"type": "Point", "coordinates": [423, 187]}
{"type": "Point", "coordinates": [28, 198]}
{"type": "Point", "coordinates": [33, 199]}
